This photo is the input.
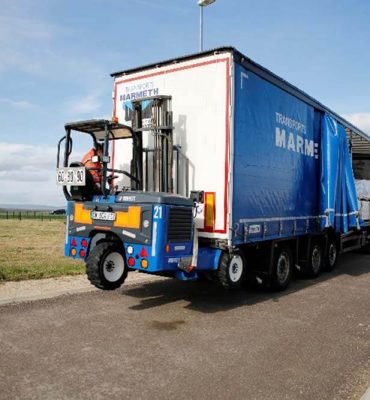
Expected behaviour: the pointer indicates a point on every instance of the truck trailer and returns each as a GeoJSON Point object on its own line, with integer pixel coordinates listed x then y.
{"type": "Point", "coordinates": [212, 166]}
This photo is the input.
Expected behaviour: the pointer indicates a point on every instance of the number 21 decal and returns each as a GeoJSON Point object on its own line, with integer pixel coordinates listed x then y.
{"type": "Point", "coordinates": [157, 212]}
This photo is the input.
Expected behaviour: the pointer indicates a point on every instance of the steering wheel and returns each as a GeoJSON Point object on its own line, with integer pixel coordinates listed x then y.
{"type": "Point", "coordinates": [111, 177]}
{"type": "Point", "coordinates": [119, 171]}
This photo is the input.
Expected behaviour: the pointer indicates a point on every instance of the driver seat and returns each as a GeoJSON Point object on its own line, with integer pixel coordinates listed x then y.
{"type": "Point", "coordinates": [84, 193]}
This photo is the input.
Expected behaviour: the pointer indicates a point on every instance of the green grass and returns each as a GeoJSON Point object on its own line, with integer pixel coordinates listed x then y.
{"type": "Point", "coordinates": [33, 249]}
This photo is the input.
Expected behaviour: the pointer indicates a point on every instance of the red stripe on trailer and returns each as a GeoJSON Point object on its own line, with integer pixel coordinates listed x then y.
{"type": "Point", "coordinates": [227, 129]}
{"type": "Point", "coordinates": [227, 125]}
{"type": "Point", "coordinates": [112, 165]}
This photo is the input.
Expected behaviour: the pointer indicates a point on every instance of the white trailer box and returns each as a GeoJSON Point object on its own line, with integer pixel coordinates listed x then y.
{"type": "Point", "coordinates": [201, 104]}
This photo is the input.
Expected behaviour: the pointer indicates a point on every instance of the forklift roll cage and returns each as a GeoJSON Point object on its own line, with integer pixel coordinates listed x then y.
{"type": "Point", "coordinates": [103, 131]}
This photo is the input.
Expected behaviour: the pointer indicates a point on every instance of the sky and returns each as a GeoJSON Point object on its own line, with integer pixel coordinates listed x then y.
{"type": "Point", "coordinates": [56, 57]}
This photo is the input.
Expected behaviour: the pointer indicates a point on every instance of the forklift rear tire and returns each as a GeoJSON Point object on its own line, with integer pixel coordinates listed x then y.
{"type": "Point", "coordinates": [231, 271]}
{"type": "Point", "coordinates": [105, 266]}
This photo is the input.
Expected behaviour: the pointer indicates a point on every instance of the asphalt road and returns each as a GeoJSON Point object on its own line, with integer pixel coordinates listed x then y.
{"type": "Point", "coordinates": [173, 340]}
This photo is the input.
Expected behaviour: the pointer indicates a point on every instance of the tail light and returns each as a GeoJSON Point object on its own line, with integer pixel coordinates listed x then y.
{"type": "Point", "coordinates": [130, 250]}
{"type": "Point", "coordinates": [209, 210]}
{"type": "Point", "coordinates": [143, 252]}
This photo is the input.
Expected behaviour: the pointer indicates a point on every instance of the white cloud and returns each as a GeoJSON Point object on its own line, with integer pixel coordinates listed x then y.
{"type": "Point", "coordinates": [31, 46]}
{"type": "Point", "coordinates": [163, 5]}
{"type": "Point", "coordinates": [27, 175]}
{"type": "Point", "coordinates": [361, 120]}
{"type": "Point", "coordinates": [14, 28]}
{"type": "Point", "coordinates": [17, 35]}
{"type": "Point", "coordinates": [148, 3]}
{"type": "Point", "coordinates": [18, 104]}
{"type": "Point", "coordinates": [88, 104]}
{"type": "Point", "coordinates": [17, 155]}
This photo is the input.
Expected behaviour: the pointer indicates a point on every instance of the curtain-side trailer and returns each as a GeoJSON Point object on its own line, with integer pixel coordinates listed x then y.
{"type": "Point", "coordinates": [268, 172]}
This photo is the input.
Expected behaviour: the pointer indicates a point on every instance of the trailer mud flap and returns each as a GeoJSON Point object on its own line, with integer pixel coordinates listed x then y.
{"type": "Point", "coordinates": [338, 199]}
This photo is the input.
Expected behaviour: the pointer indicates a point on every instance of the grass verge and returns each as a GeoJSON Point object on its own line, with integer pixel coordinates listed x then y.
{"type": "Point", "coordinates": [31, 249]}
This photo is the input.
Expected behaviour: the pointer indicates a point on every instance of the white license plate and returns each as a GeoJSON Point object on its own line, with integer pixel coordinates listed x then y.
{"type": "Point", "coordinates": [103, 215]}
{"type": "Point", "coordinates": [75, 176]}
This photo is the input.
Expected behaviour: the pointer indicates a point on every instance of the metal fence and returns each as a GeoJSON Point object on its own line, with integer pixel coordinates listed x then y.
{"type": "Point", "coordinates": [28, 214]}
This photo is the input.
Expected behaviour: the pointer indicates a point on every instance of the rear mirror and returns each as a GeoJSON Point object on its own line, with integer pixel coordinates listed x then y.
{"type": "Point", "coordinates": [197, 196]}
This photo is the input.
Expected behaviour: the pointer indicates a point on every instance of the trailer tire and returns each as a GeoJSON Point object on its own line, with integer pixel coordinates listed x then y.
{"type": "Point", "coordinates": [105, 266]}
{"type": "Point", "coordinates": [366, 249]}
{"type": "Point", "coordinates": [331, 256]}
{"type": "Point", "coordinates": [315, 261]}
{"type": "Point", "coordinates": [231, 271]}
{"type": "Point", "coordinates": [282, 269]}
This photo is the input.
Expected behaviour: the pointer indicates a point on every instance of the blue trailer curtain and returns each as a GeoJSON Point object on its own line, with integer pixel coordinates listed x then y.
{"type": "Point", "coordinates": [338, 197]}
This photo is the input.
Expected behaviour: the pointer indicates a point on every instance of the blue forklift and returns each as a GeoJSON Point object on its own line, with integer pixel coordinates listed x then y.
{"type": "Point", "coordinates": [144, 226]}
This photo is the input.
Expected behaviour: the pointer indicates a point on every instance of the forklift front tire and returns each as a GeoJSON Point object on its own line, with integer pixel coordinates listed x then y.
{"type": "Point", "coordinates": [105, 266]}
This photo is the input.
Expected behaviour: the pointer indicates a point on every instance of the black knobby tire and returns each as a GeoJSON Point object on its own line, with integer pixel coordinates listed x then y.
{"type": "Point", "coordinates": [231, 271]}
{"type": "Point", "coordinates": [282, 269]}
{"type": "Point", "coordinates": [97, 266]}
{"type": "Point", "coordinates": [314, 265]}
{"type": "Point", "coordinates": [331, 256]}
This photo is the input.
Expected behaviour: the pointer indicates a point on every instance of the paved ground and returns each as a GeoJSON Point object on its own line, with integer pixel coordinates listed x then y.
{"type": "Point", "coordinates": [165, 339]}
{"type": "Point", "coordinates": [16, 292]}
{"type": "Point", "coordinates": [366, 396]}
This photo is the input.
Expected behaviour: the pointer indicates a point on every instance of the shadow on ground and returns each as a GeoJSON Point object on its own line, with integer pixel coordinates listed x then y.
{"type": "Point", "coordinates": [207, 297]}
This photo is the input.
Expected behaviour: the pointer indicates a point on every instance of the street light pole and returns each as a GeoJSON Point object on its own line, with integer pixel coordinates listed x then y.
{"type": "Point", "coordinates": [201, 29]}
{"type": "Point", "coordinates": [201, 4]}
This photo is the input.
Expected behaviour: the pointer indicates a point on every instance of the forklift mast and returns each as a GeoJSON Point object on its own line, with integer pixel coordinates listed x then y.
{"type": "Point", "coordinates": [159, 127]}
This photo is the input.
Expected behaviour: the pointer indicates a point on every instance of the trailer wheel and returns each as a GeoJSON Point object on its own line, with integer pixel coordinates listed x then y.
{"type": "Point", "coordinates": [331, 256]}
{"type": "Point", "coordinates": [231, 270]}
{"type": "Point", "coordinates": [282, 269]}
{"type": "Point", "coordinates": [105, 266]}
{"type": "Point", "coordinates": [366, 248]}
{"type": "Point", "coordinates": [315, 261]}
